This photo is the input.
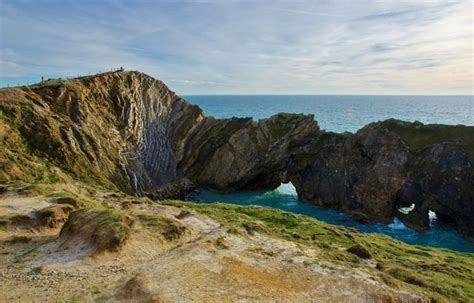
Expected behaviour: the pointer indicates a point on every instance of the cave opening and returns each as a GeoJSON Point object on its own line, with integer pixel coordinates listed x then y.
{"type": "Point", "coordinates": [406, 209]}
{"type": "Point", "coordinates": [287, 188]}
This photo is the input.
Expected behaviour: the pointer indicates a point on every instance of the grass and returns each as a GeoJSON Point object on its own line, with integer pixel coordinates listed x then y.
{"type": "Point", "coordinates": [16, 220]}
{"type": "Point", "coordinates": [18, 239]}
{"type": "Point", "coordinates": [66, 197]}
{"type": "Point", "coordinates": [417, 135]}
{"type": "Point", "coordinates": [441, 274]}
{"type": "Point", "coordinates": [169, 228]}
{"type": "Point", "coordinates": [108, 229]}
{"type": "Point", "coordinates": [30, 252]}
{"type": "Point", "coordinates": [360, 251]}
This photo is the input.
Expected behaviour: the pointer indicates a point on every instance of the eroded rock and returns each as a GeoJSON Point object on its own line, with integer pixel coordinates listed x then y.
{"type": "Point", "coordinates": [128, 130]}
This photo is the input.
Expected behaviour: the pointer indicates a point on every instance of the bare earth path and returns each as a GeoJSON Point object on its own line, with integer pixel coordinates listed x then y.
{"type": "Point", "coordinates": [206, 264]}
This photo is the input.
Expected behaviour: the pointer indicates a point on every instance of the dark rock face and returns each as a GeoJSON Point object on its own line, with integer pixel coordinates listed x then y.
{"type": "Point", "coordinates": [359, 173]}
{"type": "Point", "coordinates": [226, 155]}
{"type": "Point", "coordinates": [128, 130]}
{"type": "Point", "coordinates": [440, 180]}
{"type": "Point", "coordinates": [373, 172]}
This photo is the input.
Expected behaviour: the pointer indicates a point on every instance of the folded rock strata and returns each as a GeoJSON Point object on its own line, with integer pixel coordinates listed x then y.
{"type": "Point", "coordinates": [128, 130]}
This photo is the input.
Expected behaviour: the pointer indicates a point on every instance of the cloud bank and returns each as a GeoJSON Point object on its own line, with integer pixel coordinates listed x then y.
{"type": "Point", "coordinates": [246, 47]}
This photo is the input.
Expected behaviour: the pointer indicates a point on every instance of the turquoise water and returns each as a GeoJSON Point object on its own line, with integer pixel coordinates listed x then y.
{"type": "Point", "coordinates": [285, 198]}
{"type": "Point", "coordinates": [343, 113]}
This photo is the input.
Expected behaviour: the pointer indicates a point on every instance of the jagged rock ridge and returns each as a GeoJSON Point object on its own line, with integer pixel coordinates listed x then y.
{"type": "Point", "coordinates": [128, 130]}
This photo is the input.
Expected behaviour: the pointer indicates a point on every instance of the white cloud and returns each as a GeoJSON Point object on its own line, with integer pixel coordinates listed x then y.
{"type": "Point", "coordinates": [341, 47]}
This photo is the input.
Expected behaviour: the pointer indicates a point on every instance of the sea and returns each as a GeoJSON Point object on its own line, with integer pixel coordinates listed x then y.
{"type": "Point", "coordinates": [342, 114]}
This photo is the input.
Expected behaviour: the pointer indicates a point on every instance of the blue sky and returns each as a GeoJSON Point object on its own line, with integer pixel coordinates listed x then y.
{"type": "Point", "coordinates": [246, 47]}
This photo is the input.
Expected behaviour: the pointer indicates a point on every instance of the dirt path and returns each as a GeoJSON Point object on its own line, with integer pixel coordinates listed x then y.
{"type": "Point", "coordinates": [207, 264]}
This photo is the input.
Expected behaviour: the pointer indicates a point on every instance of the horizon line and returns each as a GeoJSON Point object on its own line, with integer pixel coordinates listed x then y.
{"type": "Point", "coordinates": [362, 95]}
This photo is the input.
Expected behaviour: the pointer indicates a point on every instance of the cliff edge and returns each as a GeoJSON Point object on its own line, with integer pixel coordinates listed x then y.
{"type": "Point", "coordinates": [128, 131]}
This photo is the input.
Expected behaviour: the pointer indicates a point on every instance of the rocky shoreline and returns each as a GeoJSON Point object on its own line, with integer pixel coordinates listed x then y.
{"type": "Point", "coordinates": [129, 131]}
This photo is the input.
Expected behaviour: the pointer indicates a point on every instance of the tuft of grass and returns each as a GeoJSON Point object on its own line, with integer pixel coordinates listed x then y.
{"type": "Point", "coordinates": [359, 251]}
{"type": "Point", "coordinates": [169, 228]}
{"type": "Point", "coordinates": [19, 239]}
{"type": "Point", "coordinates": [77, 201]}
{"type": "Point", "coordinates": [108, 229]}
{"type": "Point", "coordinates": [221, 243]}
{"type": "Point", "coordinates": [406, 276]}
{"type": "Point", "coordinates": [440, 274]}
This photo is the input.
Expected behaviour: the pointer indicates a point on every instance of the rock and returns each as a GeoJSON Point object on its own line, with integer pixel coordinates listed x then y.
{"type": "Point", "coordinates": [444, 181]}
{"type": "Point", "coordinates": [169, 228]}
{"type": "Point", "coordinates": [356, 173]}
{"type": "Point", "coordinates": [230, 154]}
{"type": "Point", "coordinates": [127, 130]}
{"type": "Point", "coordinates": [121, 129]}
{"type": "Point", "coordinates": [70, 201]}
{"type": "Point", "coordinates": [19, 239]}
{"type": "Point", "coordinates": [3, 189]}
{"type": "Point", "coordinates": [183, 214]}
{"type": "Point", "coordinates": [386, 165]}
{"type": "Point", "coordinates": [177, 190]}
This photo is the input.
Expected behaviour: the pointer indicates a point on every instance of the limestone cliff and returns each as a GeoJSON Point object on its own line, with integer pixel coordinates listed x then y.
{"type": "Point", "coordinates": [123, 128]}
{"type": "Point", "coordinates": [128, 130]}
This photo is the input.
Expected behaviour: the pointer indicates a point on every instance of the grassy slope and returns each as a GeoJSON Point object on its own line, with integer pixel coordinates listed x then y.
{"type": "Point", "coordinates": [441, 274]}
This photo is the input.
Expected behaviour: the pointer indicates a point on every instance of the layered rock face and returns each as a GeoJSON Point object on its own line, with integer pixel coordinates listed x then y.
{"type": "Point", "coordinates": [230, 154]}
{"type": "Point", "coordinates": [128, 130]}
{"type": "Point", "coordinates": [122, 129]}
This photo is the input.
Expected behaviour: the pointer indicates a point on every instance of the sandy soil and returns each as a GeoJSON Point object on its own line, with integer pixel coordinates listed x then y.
{"type": "Point", "coordinates": [207, 264]}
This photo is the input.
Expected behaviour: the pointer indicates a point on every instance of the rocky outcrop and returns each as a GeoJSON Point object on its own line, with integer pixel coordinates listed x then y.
{"type": "Point", "coordinates": [231, 154]}
{"type": "Point", "coordinates": [128, 130]}
{"type": "Point", "coordinates": [393, 164]}
{"type": "Point", "coordinates": [356, 173]}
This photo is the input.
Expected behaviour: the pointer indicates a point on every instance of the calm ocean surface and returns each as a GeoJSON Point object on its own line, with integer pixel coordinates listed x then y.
{"type": "Point", "coordinates": [343, 113]}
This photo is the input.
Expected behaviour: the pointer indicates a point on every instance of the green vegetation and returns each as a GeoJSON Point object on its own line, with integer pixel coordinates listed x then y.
{"type": "Point", "coordinates": [53, 216]}
{"type": "Point", "coordinates": [19, 239]}
{"type": "Point", "coordinates": [441, 274]}
{"type": "Point", "coordinates": [359, 251]}
{"type": "Point", "coordinates": [66, 197]}
{"type": "Point", "coordinates": [418, 135]}
{"type": "Point", "coordinates": [169, 228]}
{"type": "Point", "coordinates": [36, 143]}
{"type": "Point", "coordinates": [17, 220]}
{"type": "Point", "coordinates": [108, 229]}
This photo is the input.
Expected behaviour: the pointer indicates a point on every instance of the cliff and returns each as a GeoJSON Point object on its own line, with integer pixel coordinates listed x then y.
{"type": "Point", "coordinates": [121, 129]}
{"type": "Point", "coordinates": [129, 131]}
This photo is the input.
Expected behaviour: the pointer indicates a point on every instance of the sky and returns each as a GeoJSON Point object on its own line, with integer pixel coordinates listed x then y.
{"type": "Point", "coordinates": [247, 47]}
